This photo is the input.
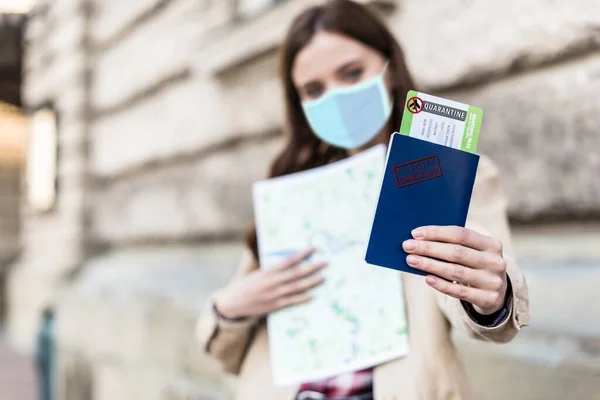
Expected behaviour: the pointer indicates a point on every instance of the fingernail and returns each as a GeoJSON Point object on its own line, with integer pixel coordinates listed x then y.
{"type": "Point", "coordinates": [412, 260]}
{"type": "Point", "coordinates": [418, 233]}
{"type": "Point", "coordinates": [409, 245]}
{"type": "Point", "coordinates": [431, 280]}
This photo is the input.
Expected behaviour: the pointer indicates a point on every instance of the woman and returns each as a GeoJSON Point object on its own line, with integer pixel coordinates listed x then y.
{"type": "Point", "coordinates": [331, 52]}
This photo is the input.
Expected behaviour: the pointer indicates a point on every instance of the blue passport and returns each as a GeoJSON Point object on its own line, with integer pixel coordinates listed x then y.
{"type": "Point", "coordinates": [423, 183]}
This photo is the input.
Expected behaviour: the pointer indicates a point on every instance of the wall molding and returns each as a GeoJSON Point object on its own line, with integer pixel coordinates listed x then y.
{"type": "Point", "coordinates": [154, 89]}
{"type": "Point", "coordinates": [129, 28]}
{"type": "Point", "coordinates": [236, 43]}
{"type": "Point", "coordinates": [184, 158]}
{"type": "Point", "coordinates": [191, 239]}
{"type": "Point", "coordinates": [521, 64]}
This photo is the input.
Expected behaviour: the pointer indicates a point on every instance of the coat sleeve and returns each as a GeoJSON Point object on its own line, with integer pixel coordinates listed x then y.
{"type": "Point", "coordinates": [487, 215]}
{"type": "Point", "coordinates": [226, 341]}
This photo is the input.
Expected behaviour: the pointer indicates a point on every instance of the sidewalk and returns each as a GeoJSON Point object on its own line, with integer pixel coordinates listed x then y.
{"type": "Point", "coordinates": [17, 375]}
{"type": "Point", "coordinates": [557, 357]}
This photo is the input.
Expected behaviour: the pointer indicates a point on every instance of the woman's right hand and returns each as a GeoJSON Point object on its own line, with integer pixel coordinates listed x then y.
{"type": "Point", "coordinates": [266, 290]}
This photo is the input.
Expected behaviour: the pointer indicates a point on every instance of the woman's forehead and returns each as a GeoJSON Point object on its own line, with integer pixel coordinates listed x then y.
{"type": "Point", "coordinates": [325, 53]}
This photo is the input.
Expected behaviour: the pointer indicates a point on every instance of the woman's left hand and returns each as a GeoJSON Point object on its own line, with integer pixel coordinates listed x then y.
{"type": "Point", "coordinates": [472, 260]}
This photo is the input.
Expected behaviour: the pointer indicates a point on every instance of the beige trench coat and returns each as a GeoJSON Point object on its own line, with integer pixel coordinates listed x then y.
{"type": "Point", "coordinates": [432, 370]}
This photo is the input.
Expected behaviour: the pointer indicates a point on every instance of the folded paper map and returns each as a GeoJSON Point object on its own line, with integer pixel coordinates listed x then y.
{"type": "Point", "coordinates": [357, 318]}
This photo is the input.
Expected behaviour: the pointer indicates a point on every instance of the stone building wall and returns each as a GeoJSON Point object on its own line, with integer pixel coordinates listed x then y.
{"type": "Point", "coordinates": [162, 101]}
{"type": "Point", "coordinates": [10, 188]}
{"type": "Point", "coordinates": [55, 74]}
{"type": "Point", "coordinates": [12, 155]}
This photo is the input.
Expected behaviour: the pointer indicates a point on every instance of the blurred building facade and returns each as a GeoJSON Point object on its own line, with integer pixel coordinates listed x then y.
{"type": "Point", "coordinates": [12, 156]}
{"type": "Point", "coordinates": [165, 111]}
{"type": "Point", "coordinates": [12, 142]}
{"type": "Point", "coordinates": [12, 26]}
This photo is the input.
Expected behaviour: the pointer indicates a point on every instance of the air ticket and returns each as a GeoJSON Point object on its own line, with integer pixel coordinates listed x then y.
{"type": "Point", "coordinates": [441, 121]}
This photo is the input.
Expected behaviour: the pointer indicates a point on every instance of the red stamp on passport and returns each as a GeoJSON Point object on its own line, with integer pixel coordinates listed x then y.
{"type": "Point", "coordinates": [420, 170]}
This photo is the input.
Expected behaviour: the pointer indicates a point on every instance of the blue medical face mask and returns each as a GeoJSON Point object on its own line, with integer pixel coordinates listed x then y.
{"type": "Point", "coordinates": [350, 117]}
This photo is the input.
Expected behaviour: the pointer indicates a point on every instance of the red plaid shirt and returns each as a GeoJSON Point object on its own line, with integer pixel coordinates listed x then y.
{"type": "Point", "coordinates": [351, 384]}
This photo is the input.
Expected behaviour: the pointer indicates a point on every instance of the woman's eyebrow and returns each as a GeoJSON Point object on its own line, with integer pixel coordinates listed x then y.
{"type": "Point", "coordinates": [339, 70]}
{"type": "Point", "coordinates": [347, 65]}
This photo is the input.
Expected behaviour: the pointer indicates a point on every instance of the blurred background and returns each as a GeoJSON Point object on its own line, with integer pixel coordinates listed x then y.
{"type": "Point", "coordinates": [130, 134]}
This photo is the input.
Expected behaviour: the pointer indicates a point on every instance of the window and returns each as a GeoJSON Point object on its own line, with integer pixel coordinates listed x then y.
{"type": "Point", "coordinates": [42, 160]}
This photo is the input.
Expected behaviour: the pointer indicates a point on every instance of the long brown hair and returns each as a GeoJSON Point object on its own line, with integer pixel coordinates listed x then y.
{"type": "Point", "coordinates": [303, 149]}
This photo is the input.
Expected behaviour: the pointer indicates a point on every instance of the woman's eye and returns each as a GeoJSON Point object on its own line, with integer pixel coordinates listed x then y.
{"type": "Point", "coordinates": [353, 75]}
{"type": "Point", "coordinates": [313, 91]}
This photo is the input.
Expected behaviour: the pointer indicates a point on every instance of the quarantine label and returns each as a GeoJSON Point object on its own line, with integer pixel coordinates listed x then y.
{"type": "Point", "coordinates": [441, 121]}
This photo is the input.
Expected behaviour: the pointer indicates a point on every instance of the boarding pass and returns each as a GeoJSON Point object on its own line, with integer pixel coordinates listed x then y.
{"type": "Point", "coordinates": [441, 121]}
